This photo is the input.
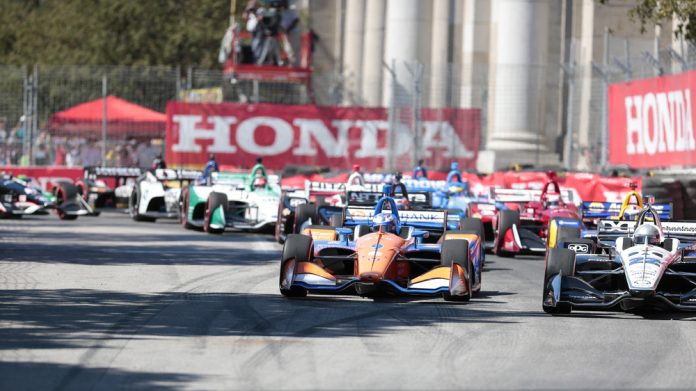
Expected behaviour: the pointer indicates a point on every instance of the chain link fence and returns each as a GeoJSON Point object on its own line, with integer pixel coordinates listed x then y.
{"type": "Point", "coordinates": [560, 110]}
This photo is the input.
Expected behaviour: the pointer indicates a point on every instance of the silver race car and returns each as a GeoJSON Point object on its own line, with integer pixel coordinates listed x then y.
{"type": "Point", "coordinates": [155, 195]}
{"type": "Point", "coordinates": [629, 265]}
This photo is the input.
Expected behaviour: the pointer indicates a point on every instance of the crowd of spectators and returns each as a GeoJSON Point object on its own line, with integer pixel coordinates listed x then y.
{"type": "Point", "coordinates": [73, 151]}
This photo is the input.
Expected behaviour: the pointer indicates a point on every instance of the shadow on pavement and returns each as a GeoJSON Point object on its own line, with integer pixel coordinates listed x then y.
{"type": "Point", "coordinates": [50, 376]}
{"type": "Point", "coordinates": [52, 319]}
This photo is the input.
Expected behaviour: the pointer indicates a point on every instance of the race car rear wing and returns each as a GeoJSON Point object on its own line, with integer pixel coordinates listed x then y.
{"type": "Point", "coordinates": [429, 220]}
{"type": "Point", "coordinates": [606, 210]}
{"type": "Point", "coordinates": [316, 188]}
{"type": "Point", "coordinates": [424, 185]}
{"type": "Point", "coordinates": [162, 174]}
{"type": "Point", "coordinates": [370, 198]}
{"type": "Point", "coordinates": [527, 195]}
{"type": "Point", "coordinates": [112, 172]}
{"type": "Point", "coordinates": [612, 229]}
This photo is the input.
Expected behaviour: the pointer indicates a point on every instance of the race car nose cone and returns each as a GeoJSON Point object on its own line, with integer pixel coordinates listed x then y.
{"type": "Point", "coordinates": [644, 294]}
{"type": "Point", "coordinates": [370, 277]}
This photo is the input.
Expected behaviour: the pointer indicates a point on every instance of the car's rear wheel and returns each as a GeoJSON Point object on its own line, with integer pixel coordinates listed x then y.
{"type": "Point", "coordinates": [65, 191]}
{"type": "Point", "coordinates": [558, 232]}
{"type": "Point", "coordinates": [304, 213]}
{"type": "Point", "coordinates": [297, 248]}
{"type": "Point", "coordinates": [184, 209]}
{"type": "Point", "coordinates": [134, 206]}
{"type": "Point", "coordinates": [215, 200]}
{"type": "Point", "coordinates": [337, 220]}
{"type": "Point", "coordinates": [456, 251]}
{"type": "Point", "coordinates": [506, 219]}
{"type": "Point", "coordinates": [558, 260]}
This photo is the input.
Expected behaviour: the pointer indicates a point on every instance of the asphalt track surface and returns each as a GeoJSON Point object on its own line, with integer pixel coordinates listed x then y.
{"type": "Point", "coordinates": [107, 304]}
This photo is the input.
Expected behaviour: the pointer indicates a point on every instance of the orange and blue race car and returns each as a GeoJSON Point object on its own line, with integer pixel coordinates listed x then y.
{"type": "Point", "coordinates": [386, 252]}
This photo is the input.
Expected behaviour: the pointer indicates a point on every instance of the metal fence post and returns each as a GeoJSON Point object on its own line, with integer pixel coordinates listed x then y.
{"type": "Point", "coordinates": [392, 115]}
{"type": "Point", "coordinates": [604, 139]}
{"type": "Point", "coordinates": [104, 118]}
{"type": "Point", "coordinates": [35, 115]}
{"type": "Point", "coordinates": [416, 102]}
{"type": "Point", "coordinates": [568, 144]}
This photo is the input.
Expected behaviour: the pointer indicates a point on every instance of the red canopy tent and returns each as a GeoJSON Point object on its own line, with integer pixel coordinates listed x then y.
{"type": "Point", "coordinates": [124, 120]}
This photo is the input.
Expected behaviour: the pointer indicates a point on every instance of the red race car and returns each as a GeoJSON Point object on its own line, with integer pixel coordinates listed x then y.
{"type": "Point", "coordinates": [523, 227]}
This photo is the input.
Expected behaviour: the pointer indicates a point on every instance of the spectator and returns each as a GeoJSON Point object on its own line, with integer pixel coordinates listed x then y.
{"type": "Point", "coordinates": [91, 155]}
{"type": "Point", "coordinates": [3, 130]}
{"type": "Point", "coordinates": [60, 155]}
{"type": "Point", "coordinates": [41, 156]}
{"type": "Point", "coordinates": [145, 153]}
{"type": "Point", "coordinates": [290, 24]}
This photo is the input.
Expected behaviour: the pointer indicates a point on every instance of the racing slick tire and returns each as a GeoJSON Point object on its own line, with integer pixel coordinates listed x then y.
{"type": "Point", "coordinates": [297, 248]}
{"type": "Point", "coordinates": [558, 260]}
{"type": "Point", "coordinates": [457, 251]}
{"type": "Point", "coordinates": [215, 200]}
{"type": "Point", "coordinates": [475, 226]}
{"type": "Point", "coordinates": [303, 213]}
{"type": "Point", "coordinates": [506, 219]}
{"type": "Point", "coordinates": [337, 220]}
{"type": "Point", "coordinates": [134, 206]}
{"type": "Point", "coordinates": [559, 233]}
{"type": "Point", "coordinates": [65, 191]}
{"type": "Point", "coordinates": [183, 209]}
{"type": "Point", "coordinates": [472, 225]}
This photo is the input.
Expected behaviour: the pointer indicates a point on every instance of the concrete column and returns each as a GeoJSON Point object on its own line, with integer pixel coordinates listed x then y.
{"type": "Point", "coordinates": [585, 57]}
{"type": "Point", "coordinates": [439, 53]}
{"type": "Point", "coordinates": [373, 50]}
{"type": "Point", "coordinates": [401, 44]}
{"type": "Point", "coordinates": [517, 84]}
{"type": "Point", "coordinates": [353, 51]}
{"type": "Point", "coordinates": [475, 44]}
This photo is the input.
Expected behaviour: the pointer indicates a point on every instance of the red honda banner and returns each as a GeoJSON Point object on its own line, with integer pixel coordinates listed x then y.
{"type": "Point", "coordinates": [651, 122]}
{"type": "Point", "coordinates": [336, 137]}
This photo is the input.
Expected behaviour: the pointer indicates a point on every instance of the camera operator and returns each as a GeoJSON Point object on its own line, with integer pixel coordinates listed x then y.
{"type": "Point", "coordinates": [264, 24]}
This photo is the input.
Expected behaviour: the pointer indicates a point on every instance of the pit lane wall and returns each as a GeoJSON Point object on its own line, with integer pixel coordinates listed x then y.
{"type": "Point", "coordinates": [323, 136]}
{"type": "Point", "coordinates": [651, 122]}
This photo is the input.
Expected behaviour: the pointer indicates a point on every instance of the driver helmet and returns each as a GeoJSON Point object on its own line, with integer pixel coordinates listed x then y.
{"type": "Point", "coordinates": [456, 188]}
{"type": "Point", "coordinates": [647, 234]}
{"type": "Point", "coordinates": [386, 221]}
{"type": "Point", "coordinates": [552, 199]}
{"type": "Point", "coordinates": [259, 182]}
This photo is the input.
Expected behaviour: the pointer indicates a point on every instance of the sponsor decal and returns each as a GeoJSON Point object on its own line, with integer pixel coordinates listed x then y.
{"type": "Point", "coordinates": [651, 121]}
{"type": "Point", "coordinates": [596, 207]}
{"type": "Point", "coordinates": [579, 248]}
{"type": "Point", "coordinates": [568, 223]}
{"type": "Point", "coordinates": [306, 134]}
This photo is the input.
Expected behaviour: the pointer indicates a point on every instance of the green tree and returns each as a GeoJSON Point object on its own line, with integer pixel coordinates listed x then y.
{"type": "Point", "coordinates": [113, 32]}
{"type": "Point", "coordinates": [660, 12]}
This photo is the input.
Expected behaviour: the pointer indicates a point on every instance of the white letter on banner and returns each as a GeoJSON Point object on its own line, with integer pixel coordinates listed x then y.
{"type": "Point", "coordinates": [650, 143]}
{"type": "Point", "coordinates": [315, 128]}
{"type": "Point", "coordinates": [368, 139]}
{"type": "Point", "coordinates": [441, 134]}
{"type": "Point", "coordinates": [634, 125]}
{"type": "Point", "coordinates": [188, 134]}
{"type": "Point", "coordinates": [283, 135]}
{"type": "Point", "coordinates": [665, 124]}
{"type": "Point", "coordinates": [688, 122]}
